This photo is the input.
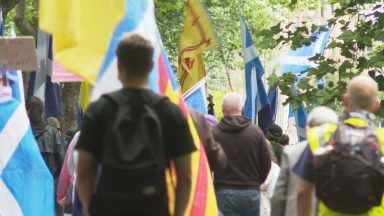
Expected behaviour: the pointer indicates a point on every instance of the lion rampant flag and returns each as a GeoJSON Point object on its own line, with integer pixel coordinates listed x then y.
{"type": "Point", "coordinates": [196, 38]}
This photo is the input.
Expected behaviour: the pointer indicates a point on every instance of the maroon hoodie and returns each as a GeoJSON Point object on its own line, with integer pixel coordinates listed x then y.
{"type": "Point", "coordinates": [248, 158]}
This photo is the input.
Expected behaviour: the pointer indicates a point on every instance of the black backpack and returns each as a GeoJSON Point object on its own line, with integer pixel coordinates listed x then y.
{"type": "Point", "coordinates": [349, 173]}
{"type": "Point", "coordinates": [133, 160]}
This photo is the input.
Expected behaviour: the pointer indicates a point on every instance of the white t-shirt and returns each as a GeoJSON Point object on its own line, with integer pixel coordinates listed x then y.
{"type": "Point", "coordinates": [267, 189]}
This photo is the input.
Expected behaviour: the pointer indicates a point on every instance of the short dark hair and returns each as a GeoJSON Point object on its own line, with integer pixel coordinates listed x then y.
{"type": "Point", "coordinates": [134, 54]}
{"type": "Point", "coordinates": [35, 109]}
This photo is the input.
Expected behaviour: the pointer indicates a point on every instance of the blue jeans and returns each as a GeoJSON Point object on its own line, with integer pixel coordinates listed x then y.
{"type": "Point", "coordinates": [239, 202]}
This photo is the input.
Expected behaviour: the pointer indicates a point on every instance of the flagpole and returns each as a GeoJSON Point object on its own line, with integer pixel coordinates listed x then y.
{"type": "Point", "coordinates": [3, 65]}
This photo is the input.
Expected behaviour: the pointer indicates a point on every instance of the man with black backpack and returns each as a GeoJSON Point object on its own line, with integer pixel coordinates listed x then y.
{"type": "Point", "coordinates": [344, 162]}
{"type": "Point", "coordinates": [133, 134]}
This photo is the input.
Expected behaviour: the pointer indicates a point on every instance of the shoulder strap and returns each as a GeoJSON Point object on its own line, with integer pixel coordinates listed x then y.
{"type": "Point", "coordinates": [380, 134]}
{"type": "Point", "coordinates": [120, 98]}
{"type": "Point", "coordinates": [156, 99]}
{"type": "Point", "coordinates": [45, 129]}
{"type": "Point", "coordinates": [319, 136]}
{"type": "Point", "coordinates": [117, 97]}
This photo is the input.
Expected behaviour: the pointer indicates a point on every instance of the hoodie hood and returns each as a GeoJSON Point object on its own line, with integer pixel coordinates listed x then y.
{"type": "Point", "coordinates": [233, 123]}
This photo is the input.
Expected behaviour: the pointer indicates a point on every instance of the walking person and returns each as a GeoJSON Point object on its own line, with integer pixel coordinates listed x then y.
{"type": "Point", "coordinates": [344, 162]}
{"type": "Point", "coordinates": [238, 185]}
{"type": "Point", "coordinates": [268, 187]}
{"type": "Point", "coordinates": [133, 134]}
{"type": "Point", "coordinates": [284, 198]}
{"type": "Point", "coordinates": [48, 137]}
{"type": "Point", "coordinates": [274, 133]}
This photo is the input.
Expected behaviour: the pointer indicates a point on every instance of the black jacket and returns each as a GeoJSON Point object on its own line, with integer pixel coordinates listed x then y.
{"type": "Point", "coordinates": [249, 160]}
{"type": "Point", "coordinates": [51, 146]}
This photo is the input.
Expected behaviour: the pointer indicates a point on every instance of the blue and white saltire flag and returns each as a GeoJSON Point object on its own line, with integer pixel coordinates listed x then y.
{"type": "Point", "coordinates": [26, 185]}
{"type": "Point", "coordinates": [257, 106]}
{"type": "Point", "coordinates": [296, 62]}
{"type": "Point", "coordinates": [273, 97]}
{"type": "Point", "coordinates": [196, 98]}
{"type": "Point", "coordinates": [40, 84]}
{"type": "Point", "coordinates": [299, 117]}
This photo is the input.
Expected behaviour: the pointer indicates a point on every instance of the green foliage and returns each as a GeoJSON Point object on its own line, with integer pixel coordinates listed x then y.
{"type": "Point", "coordinates": [357, 48]}
{"type": "Point", "coordinates": [226, 23]}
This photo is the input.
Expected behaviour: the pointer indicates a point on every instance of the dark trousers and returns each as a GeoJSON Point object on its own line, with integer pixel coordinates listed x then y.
{"type": "Point", "coordinates": [238, 202]}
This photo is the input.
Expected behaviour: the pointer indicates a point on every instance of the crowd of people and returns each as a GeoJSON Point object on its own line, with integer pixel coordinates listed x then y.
{"type": "Point", "coordinates": [115, 165]}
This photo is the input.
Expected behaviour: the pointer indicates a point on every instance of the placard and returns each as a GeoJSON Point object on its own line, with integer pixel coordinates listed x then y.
{"type": "Point", "coordinates": [18, 53]}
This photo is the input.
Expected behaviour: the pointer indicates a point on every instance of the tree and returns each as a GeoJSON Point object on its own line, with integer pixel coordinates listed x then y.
{"type": "Point", "coordinates": [356, 47]}
{"type": "Point", "coordinates": [7, 6]}
{"type": "Point", "coordinates": [24, 14]}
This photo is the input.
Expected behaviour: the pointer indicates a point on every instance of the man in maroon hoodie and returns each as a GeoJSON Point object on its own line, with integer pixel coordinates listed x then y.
{"type": "Point", "coordinates": [248, 161]}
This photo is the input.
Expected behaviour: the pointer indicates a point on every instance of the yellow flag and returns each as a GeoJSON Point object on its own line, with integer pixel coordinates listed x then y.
{"type": "Point", "coordinates": [197, 37]}
{"type": "Point", "coordinates": [82, 31]}
{"type": "Point", "coordinates": [85, 93]}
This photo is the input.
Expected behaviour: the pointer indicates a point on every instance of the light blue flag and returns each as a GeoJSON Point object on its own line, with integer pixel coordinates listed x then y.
{"type": "Point", "coordinates": [256, 103]}
{"type": "Point", "coordinates": [196, 98]}
{"type": "Point", "coordinates": [296, 62]}
{"type": "Point", "coordinates": [26, 185]}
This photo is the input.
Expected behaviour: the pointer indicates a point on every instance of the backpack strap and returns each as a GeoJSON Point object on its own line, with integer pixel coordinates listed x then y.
{"type": "Point", "coordinates": [121, 99]}
{"type": "Point", "coordinates": [380, 134]}
{"type": "Point", "coordinates": [319, 136]}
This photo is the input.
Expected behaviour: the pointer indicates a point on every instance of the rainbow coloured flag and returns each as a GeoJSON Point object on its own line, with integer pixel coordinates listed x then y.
{"type": "Point", "coordinates": [93, 33]}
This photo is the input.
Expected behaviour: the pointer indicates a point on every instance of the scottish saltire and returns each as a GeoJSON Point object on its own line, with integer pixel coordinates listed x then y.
{"type": "Point", "coordinates": [296, 62]}
{"type": "Point", "coordinates": [257, 106]}
{"type": "Point", "coordinates": [273, 97]}
{"type": "Point", "coordinates": [15, 79]}
{"type": "Point", "coordinates": [122, 18]}
{"type": "Point", "coordinates": [26, 185]}
{"type": "Point", "coordinates": [40, 83]}
{"type": "Point", "coordinates": [197, 37]}
{"type": "Point", "coordinates": [196, 98]}
{"type": "Point", "coordinates": [298, 117]}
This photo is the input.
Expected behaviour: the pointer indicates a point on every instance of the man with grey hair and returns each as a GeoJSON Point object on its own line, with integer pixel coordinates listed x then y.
{"type": "Point", "coordinates": [284, 198]}
{"type": "Point", "coordinates": [249, 161]}
{"type": "Point", "coordinates": [355, 128]}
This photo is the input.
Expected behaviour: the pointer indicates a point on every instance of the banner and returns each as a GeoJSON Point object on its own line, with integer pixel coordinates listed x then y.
{"type": "Point", "coordinates": [98, 65]}
{"type": "Point", "coordinates": [257, 106]}
{"type": "Point", "coordinates": [26, 185]}
{"type": "Point", "coordinates": [196, 38]}
{"type": "Point", "coordinates": [196, 98]}
{"type": "Point", "coordinates": [296, 62]}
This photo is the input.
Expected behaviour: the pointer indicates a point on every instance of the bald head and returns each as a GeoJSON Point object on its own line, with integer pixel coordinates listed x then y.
{"type": "Point", "coordinates": [232, 104]}
{"type": "Point", "coordinates": [361, 94]}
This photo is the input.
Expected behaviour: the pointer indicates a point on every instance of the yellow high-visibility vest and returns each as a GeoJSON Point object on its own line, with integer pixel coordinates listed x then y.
{"type": "Point", "coordinates": [319, 136]}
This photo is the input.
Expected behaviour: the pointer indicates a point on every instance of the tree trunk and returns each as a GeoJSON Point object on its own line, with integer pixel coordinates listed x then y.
{"type": "Point", "coordinates": [70, 100]}
{"type": "Point", "coordinates": [22, 23]}
{"type": "Point", "coordinates": [7, 5]}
